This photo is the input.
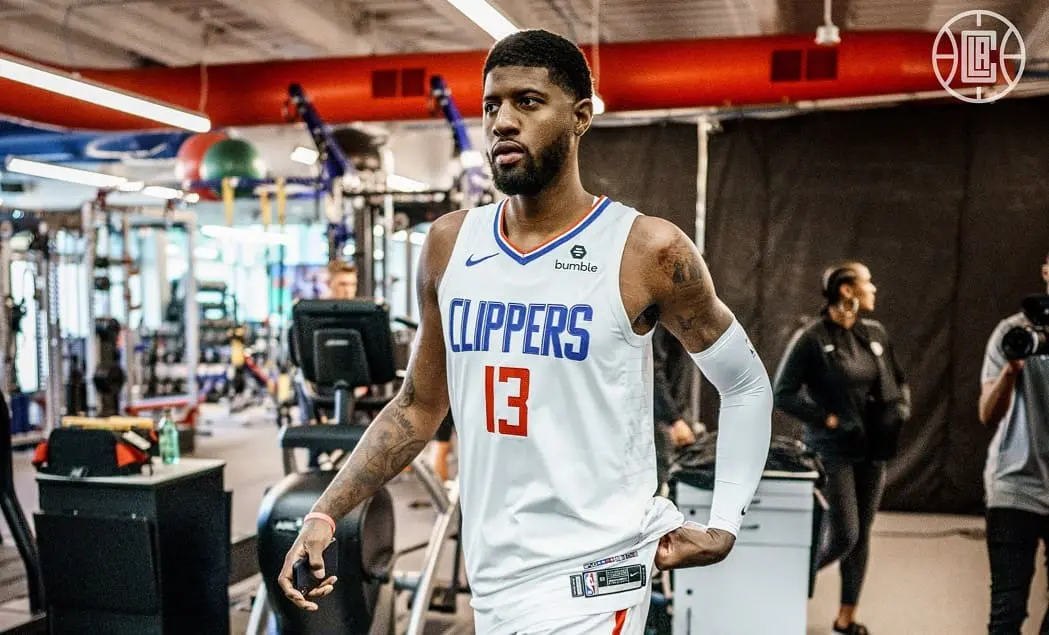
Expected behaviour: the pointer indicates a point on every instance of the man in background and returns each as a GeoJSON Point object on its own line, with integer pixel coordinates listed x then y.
{"type": "Point", "coordinates": [342, 285]}
{"type": "Point", "coordinates": [1014, 402]}
{"type": "Point", "coordinates": [342, 280]}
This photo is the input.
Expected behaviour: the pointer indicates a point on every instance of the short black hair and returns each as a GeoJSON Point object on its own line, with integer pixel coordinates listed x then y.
{"type": "Point", "coordinates": [539, 48]}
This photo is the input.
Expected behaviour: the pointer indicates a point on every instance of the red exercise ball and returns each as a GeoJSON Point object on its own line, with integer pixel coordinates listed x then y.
{"type": "Point", "coordinates": [192, 151]}
{"type": "Point", "coordinates": [191, 154]}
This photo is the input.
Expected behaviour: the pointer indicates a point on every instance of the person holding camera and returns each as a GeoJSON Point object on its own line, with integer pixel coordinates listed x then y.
{"type": "Point", "coordinates": [1014, 402]}
{"type": "Point", "coordinates": [840, 377]}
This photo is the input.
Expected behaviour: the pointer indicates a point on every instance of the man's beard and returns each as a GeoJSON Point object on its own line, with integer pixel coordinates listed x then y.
{"type": "Point", "coordinates": [528, 177]}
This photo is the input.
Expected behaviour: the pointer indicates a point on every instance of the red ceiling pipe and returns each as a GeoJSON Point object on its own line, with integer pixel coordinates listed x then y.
{"type": "Point", "coordinates": [633, 76]}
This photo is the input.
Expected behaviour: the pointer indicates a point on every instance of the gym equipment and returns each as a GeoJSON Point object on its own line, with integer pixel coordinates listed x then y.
{"type": "Point", "coordinates": [76, 382]}
{"type": "Point", "coordinates": [474, 186]}
{"type": "Point", "coordinates": [109, 377]}
{"type": "Point", "coordinates": [41, 266]}
{"type": "Point", "coordinates": [333, 161]}
{"type": "Point", "coordinates": [95, 215]}
{"type": "Point", "coordinates": [360, 162]}
{"type": "Point", "coordinates": [339, 345]}
{"type": "Point", "coordinates": [32, 249]}
{"type": "Point", "coordinates": [147, 554]}
{"type": "Point", "coordinates": [16, 520]}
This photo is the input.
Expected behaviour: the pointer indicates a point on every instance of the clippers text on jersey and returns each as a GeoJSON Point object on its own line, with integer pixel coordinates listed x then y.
{"type": "Point", "coordinates": [546, 330]}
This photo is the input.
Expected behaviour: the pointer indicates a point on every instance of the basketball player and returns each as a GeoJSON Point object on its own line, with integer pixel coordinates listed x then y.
{"type": "Point", "coordinates": [537, 317]}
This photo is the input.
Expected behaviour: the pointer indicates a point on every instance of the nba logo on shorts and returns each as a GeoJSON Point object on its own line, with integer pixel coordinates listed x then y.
{"type": "Point", "coordinates": [590, 584]}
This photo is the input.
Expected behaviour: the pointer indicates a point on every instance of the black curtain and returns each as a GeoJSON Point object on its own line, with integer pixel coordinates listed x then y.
{"type": "Point", "coordinates": [949, 206]}
{"type": "Point", "coordinates": [650, 168]}
{"type": "Point", "coordinates": [654, 170]}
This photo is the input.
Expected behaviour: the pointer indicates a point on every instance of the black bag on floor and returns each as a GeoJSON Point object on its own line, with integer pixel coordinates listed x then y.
{"type": "Point", "coordinates": [694, 464]}
{"type": "Point", "coordinates": [86, 452]}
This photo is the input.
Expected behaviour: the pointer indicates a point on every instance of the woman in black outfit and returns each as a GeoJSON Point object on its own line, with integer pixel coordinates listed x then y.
{"type": "Point", "coordinates": [840, 377]}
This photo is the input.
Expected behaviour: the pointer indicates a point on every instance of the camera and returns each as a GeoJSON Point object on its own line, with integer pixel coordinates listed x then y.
{"type": "Point", "coordinates": [1021, 342]}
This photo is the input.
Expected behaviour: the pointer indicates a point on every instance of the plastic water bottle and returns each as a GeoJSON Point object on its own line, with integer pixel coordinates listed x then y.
{"type": "Point", "coordinates": [167, 432]}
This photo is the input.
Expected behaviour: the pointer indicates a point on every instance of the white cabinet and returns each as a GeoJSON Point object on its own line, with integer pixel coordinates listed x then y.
{"type": "Point", "coordinates": [762, 588]}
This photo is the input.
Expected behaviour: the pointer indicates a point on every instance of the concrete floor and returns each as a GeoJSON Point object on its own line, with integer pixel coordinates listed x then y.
{"type": "Point", "coordinates": [928, 574]}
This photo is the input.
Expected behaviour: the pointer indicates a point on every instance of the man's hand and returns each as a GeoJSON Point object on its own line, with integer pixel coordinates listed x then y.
{"type": "Point", "coordinates": [681, 434]}
{"type": "Point", "coordinates": [690, 546]}
{"type": "Point", "coordinates": [997, 395]}
{"type": "Point", "coordinates": [314, 537]}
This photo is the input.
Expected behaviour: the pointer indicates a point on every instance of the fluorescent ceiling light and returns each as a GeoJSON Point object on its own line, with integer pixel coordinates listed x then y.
{"type": "Point", "coordinates": [65, 84]}
{"type": "Point", "coordinates": [304, 155]}
{"type": "Point", "coordinates": [404, 184]}
{"type": "Point", "coordinates": [245, 234]}
{"type": "Point", "coordinates": [499, 26]}
{"type": "Point", "coordinates": [131, 186]}
{"type": "Point", "coordinates": [62, 173]}
{"type": "Point", "coordinates": [485, 16]}
{"type": "Point", "coordinates": [162, 192]}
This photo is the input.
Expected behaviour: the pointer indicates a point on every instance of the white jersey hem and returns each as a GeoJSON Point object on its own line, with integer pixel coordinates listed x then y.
{"type": "Point", "coordinates": [551, 597]}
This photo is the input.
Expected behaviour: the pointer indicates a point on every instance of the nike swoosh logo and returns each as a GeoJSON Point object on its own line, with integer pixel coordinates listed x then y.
{"type": "Point", "coordinates": [471, 262]}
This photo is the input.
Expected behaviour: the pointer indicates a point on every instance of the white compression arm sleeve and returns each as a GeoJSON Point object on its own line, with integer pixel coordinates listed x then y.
{"type": "Point", "coordinates": [744, 423]}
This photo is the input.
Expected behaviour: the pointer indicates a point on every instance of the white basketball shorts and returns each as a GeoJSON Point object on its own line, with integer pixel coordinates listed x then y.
{"type": "Point", "coordinates": [629, 621]}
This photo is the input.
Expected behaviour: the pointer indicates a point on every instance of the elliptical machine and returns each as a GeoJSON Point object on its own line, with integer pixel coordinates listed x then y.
{"type": "Point", "coordinates": [340, 345]}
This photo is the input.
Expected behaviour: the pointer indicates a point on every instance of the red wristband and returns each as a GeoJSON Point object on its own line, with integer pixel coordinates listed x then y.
{"type": "Point", "coordinates": [321, 516]}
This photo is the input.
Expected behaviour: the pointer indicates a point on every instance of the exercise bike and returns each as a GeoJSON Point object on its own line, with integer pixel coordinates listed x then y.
{"type": "Point", "coordinates": [340, 345]}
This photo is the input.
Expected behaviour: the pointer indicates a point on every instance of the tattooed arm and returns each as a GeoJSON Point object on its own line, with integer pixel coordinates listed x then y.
{"type": "Point", "coordinates": [679, 293]}
{"type": "Point", "coordinates": [400, 431]}
{"type": "Point", "coordinates": [679, 286]}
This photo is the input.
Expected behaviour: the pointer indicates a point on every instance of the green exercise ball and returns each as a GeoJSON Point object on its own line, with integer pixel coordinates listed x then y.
{"type": "Point", "coordinates": [232, 157]}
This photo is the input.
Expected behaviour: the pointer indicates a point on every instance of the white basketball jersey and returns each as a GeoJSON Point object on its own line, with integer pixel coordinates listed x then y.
{"type": "Point", "coordinates": [551, 392]}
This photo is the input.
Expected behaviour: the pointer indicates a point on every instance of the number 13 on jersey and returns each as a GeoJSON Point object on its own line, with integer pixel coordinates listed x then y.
{"type": "Point", "coordinates": [517, 399]}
